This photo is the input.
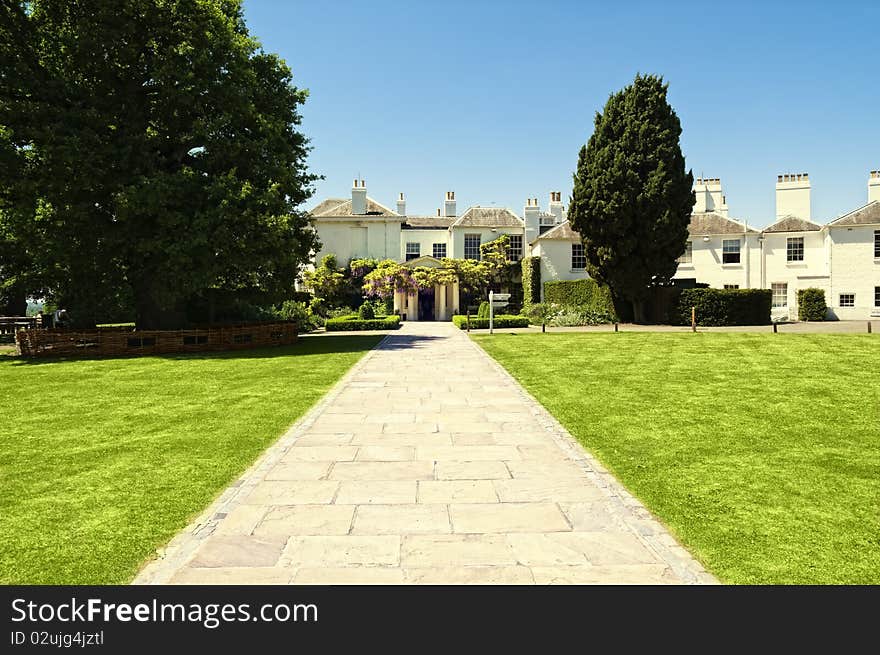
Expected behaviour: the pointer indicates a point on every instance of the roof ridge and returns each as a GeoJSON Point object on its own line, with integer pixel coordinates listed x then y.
{"type": "Point", "coordinates": [854, 211]}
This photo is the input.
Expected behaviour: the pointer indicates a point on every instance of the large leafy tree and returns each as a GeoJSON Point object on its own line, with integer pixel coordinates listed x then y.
{"type": "Point", "coordinates": [632, 196]}
{"type": "Point", "coordinates": [154, 156]}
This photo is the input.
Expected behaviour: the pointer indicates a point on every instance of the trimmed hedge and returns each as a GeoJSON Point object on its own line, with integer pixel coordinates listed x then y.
{"type": "Point", "coordinates": [353, 323]}
{"type": "Point", "coordinates": [531, 280]}
{"type": "Point", "coordinates": [811, 304]}
{"type": "Point", "coordinates": [500, 321]}
{"type": "Point", "coordinates": [718, 307]}
{"type": "Point", "coordinates": [579, 293]}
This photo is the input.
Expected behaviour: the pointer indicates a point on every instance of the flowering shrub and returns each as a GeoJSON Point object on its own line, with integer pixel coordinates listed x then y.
{"type": "Point", "coordinates": [361, 267]}
{"type": "Point", "coordinates": [389, 276]}
{"type": "Point", "coordinates": [385, 277]}
{"type": "Point", "coordinates": [566, 316]}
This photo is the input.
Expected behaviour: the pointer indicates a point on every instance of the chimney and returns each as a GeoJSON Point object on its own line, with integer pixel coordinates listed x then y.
{"type": "Point", "coordinates": [449, 204]}
{"type": "Point", "coordinates": [401, 205]}
{"type": "Point", "coordinates": [874, 186]}
{"type": "Point", "coordinates": [710, 197]}
{"type": "Point", "coordinates": [556, 207]}
{"type": "Point", "coordinates": [793, 196]}
{"type": "Point", "coordinates": [359, 198]}
{"type": "Point", "coordinates": [532, 216]}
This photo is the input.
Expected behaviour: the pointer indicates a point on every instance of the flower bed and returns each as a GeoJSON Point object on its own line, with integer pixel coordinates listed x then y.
{"type": "Point", "coordinates": [353, 323]}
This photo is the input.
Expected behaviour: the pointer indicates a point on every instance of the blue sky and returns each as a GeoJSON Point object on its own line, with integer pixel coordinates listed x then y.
{"type": "Point", "coordinates": [494, 99]}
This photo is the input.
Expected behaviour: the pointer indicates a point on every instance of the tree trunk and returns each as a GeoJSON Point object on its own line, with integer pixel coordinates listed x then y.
{"type": "Point", "coordinates": [149, 315]}
{"type": "Point", "coordinates": [639, 311]}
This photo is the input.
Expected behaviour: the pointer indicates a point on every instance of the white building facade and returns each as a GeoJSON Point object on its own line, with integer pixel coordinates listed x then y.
{"type": "Point", "coordinates": [841, 257]}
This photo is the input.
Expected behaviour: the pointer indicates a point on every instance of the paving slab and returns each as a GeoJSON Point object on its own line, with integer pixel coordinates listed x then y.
{"type": "Point", "coordinates": [427, 463]}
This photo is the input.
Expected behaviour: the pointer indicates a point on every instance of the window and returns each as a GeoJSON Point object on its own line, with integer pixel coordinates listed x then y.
{"type": "Point", "coordinates": [876, 296]}
{"type": "Point", "coordinates": [514, 249]}
{"type": "Point", "coordinates": [578, 258]}
{"type": "Point", "coordinates": [439, 250]}
{"type": "Point", "coordinates": [730, 251]}
{"type": "Point", "coordinates": [795, 249]}
{"type": "Point", "coordinates": [730, 287]}
{"type": "Point", "coordinates": [847, 300]}
{"type": "Point", "coordinates": [877, 244]}
{"type": "Point", "coordinates": [780, 294]}
{"type": "Point", "coordinates": [413, 251]}
{"type": "Point", "coordinates": [688, 255]}
{"type": "Point", "coordinates": [471, 246]}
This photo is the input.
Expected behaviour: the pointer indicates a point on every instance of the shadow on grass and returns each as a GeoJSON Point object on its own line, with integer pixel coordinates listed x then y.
{"type": "Point", "coordinates": [310, 344]}
{"type": "Point", "coordinates": [316, 344]}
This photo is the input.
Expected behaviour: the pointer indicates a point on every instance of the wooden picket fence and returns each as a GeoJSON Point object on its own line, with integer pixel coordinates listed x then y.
{"type": "Point", "coordinates": [126, 341]}
{"type": "Point", "coordinates": [9, 325]}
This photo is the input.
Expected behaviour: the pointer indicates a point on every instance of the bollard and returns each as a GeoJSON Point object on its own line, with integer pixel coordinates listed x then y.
{"type": "Point", "coordinates": [615, 327]}
{"type": "Point", "coordinates": [693, 319]}
{"type": "Point", "coordinates": [869, 327]}
{"type": "Point", "coordinates": [543, 326]}
{"type": "Point", "coordinates": [774, 328]}
{"type": "Point", "coordinates": [468, 321]}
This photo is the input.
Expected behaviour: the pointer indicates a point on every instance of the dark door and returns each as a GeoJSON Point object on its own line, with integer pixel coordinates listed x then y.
{"type": "Point", "coordinates": [426, 304]}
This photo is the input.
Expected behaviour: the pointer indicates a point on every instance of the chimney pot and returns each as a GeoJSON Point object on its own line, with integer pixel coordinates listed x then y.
{"type": "Point", "coordinates": [793, 200]}
{"type": "Point", "coordinates": [874, 186]}
{"type": "Point", "coordinates": [359, 198]}
{"type": "Point", "coordinates": [449, 205]}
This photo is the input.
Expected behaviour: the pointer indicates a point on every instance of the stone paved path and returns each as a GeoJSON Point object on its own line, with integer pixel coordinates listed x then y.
{"type": "Point", "coordinates": [427, 463]}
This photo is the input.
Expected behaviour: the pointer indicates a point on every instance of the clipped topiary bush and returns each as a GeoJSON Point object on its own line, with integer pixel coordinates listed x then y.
{"type": "Point", "coordinates": [531, 280]}
{"type": "Point", "coordinates": [718, 307]}
{"type": "Point", "coordinates": [811, 304]}
{"type": "Point", "coordinates": [500, 321]}
{"type": "Point", "coordinates": [353, 324]}
{"type": "Point", "coordinates": [586, 294]}
{"type": "Point", "coordinates": [366, 312]}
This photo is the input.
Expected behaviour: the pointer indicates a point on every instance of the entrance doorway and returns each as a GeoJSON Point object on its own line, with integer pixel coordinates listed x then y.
{"type": "Point", "coordinates": [426, 304]}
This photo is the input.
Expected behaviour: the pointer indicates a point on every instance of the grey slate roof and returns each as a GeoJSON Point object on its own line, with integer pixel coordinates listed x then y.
{"type": "Point", "coordinates": [326, 205]}
{"type": "Point", "coordinates": [793, 224]}
{"type": "Point", "coordinates": [489, 217]}
{"type": "Point", "coordinates": [427, 222]}
{"type": "Point", "coordinates": [867, 215]}
{"type": "Point", "coordinates": [342, 207]}
{"type": "Point", "coordinates": [562, 231]}
{"type": "Point", "coordinates": [712, 223]}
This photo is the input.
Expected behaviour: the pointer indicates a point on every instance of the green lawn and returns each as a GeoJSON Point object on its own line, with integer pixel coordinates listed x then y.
{"type": "Point", "coordinates": [761, 452]}
{"type": "Point", "coordinates": [102, 461]}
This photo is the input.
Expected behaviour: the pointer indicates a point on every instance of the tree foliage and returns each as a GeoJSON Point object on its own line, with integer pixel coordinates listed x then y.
{"type": "Point", "coordinates": [326, 281]}
{"type": "Point", "coordinates": [632, 196]}
{"type": "Point", "coordinates": [149, 149]}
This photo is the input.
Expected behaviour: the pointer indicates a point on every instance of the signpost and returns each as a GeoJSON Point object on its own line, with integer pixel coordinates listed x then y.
{"type": "Point", "coordinates": [498, 300]}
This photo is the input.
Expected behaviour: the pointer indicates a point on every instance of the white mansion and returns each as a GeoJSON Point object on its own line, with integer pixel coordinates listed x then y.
{"type": "Point", "coordinates": [841, 256]}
